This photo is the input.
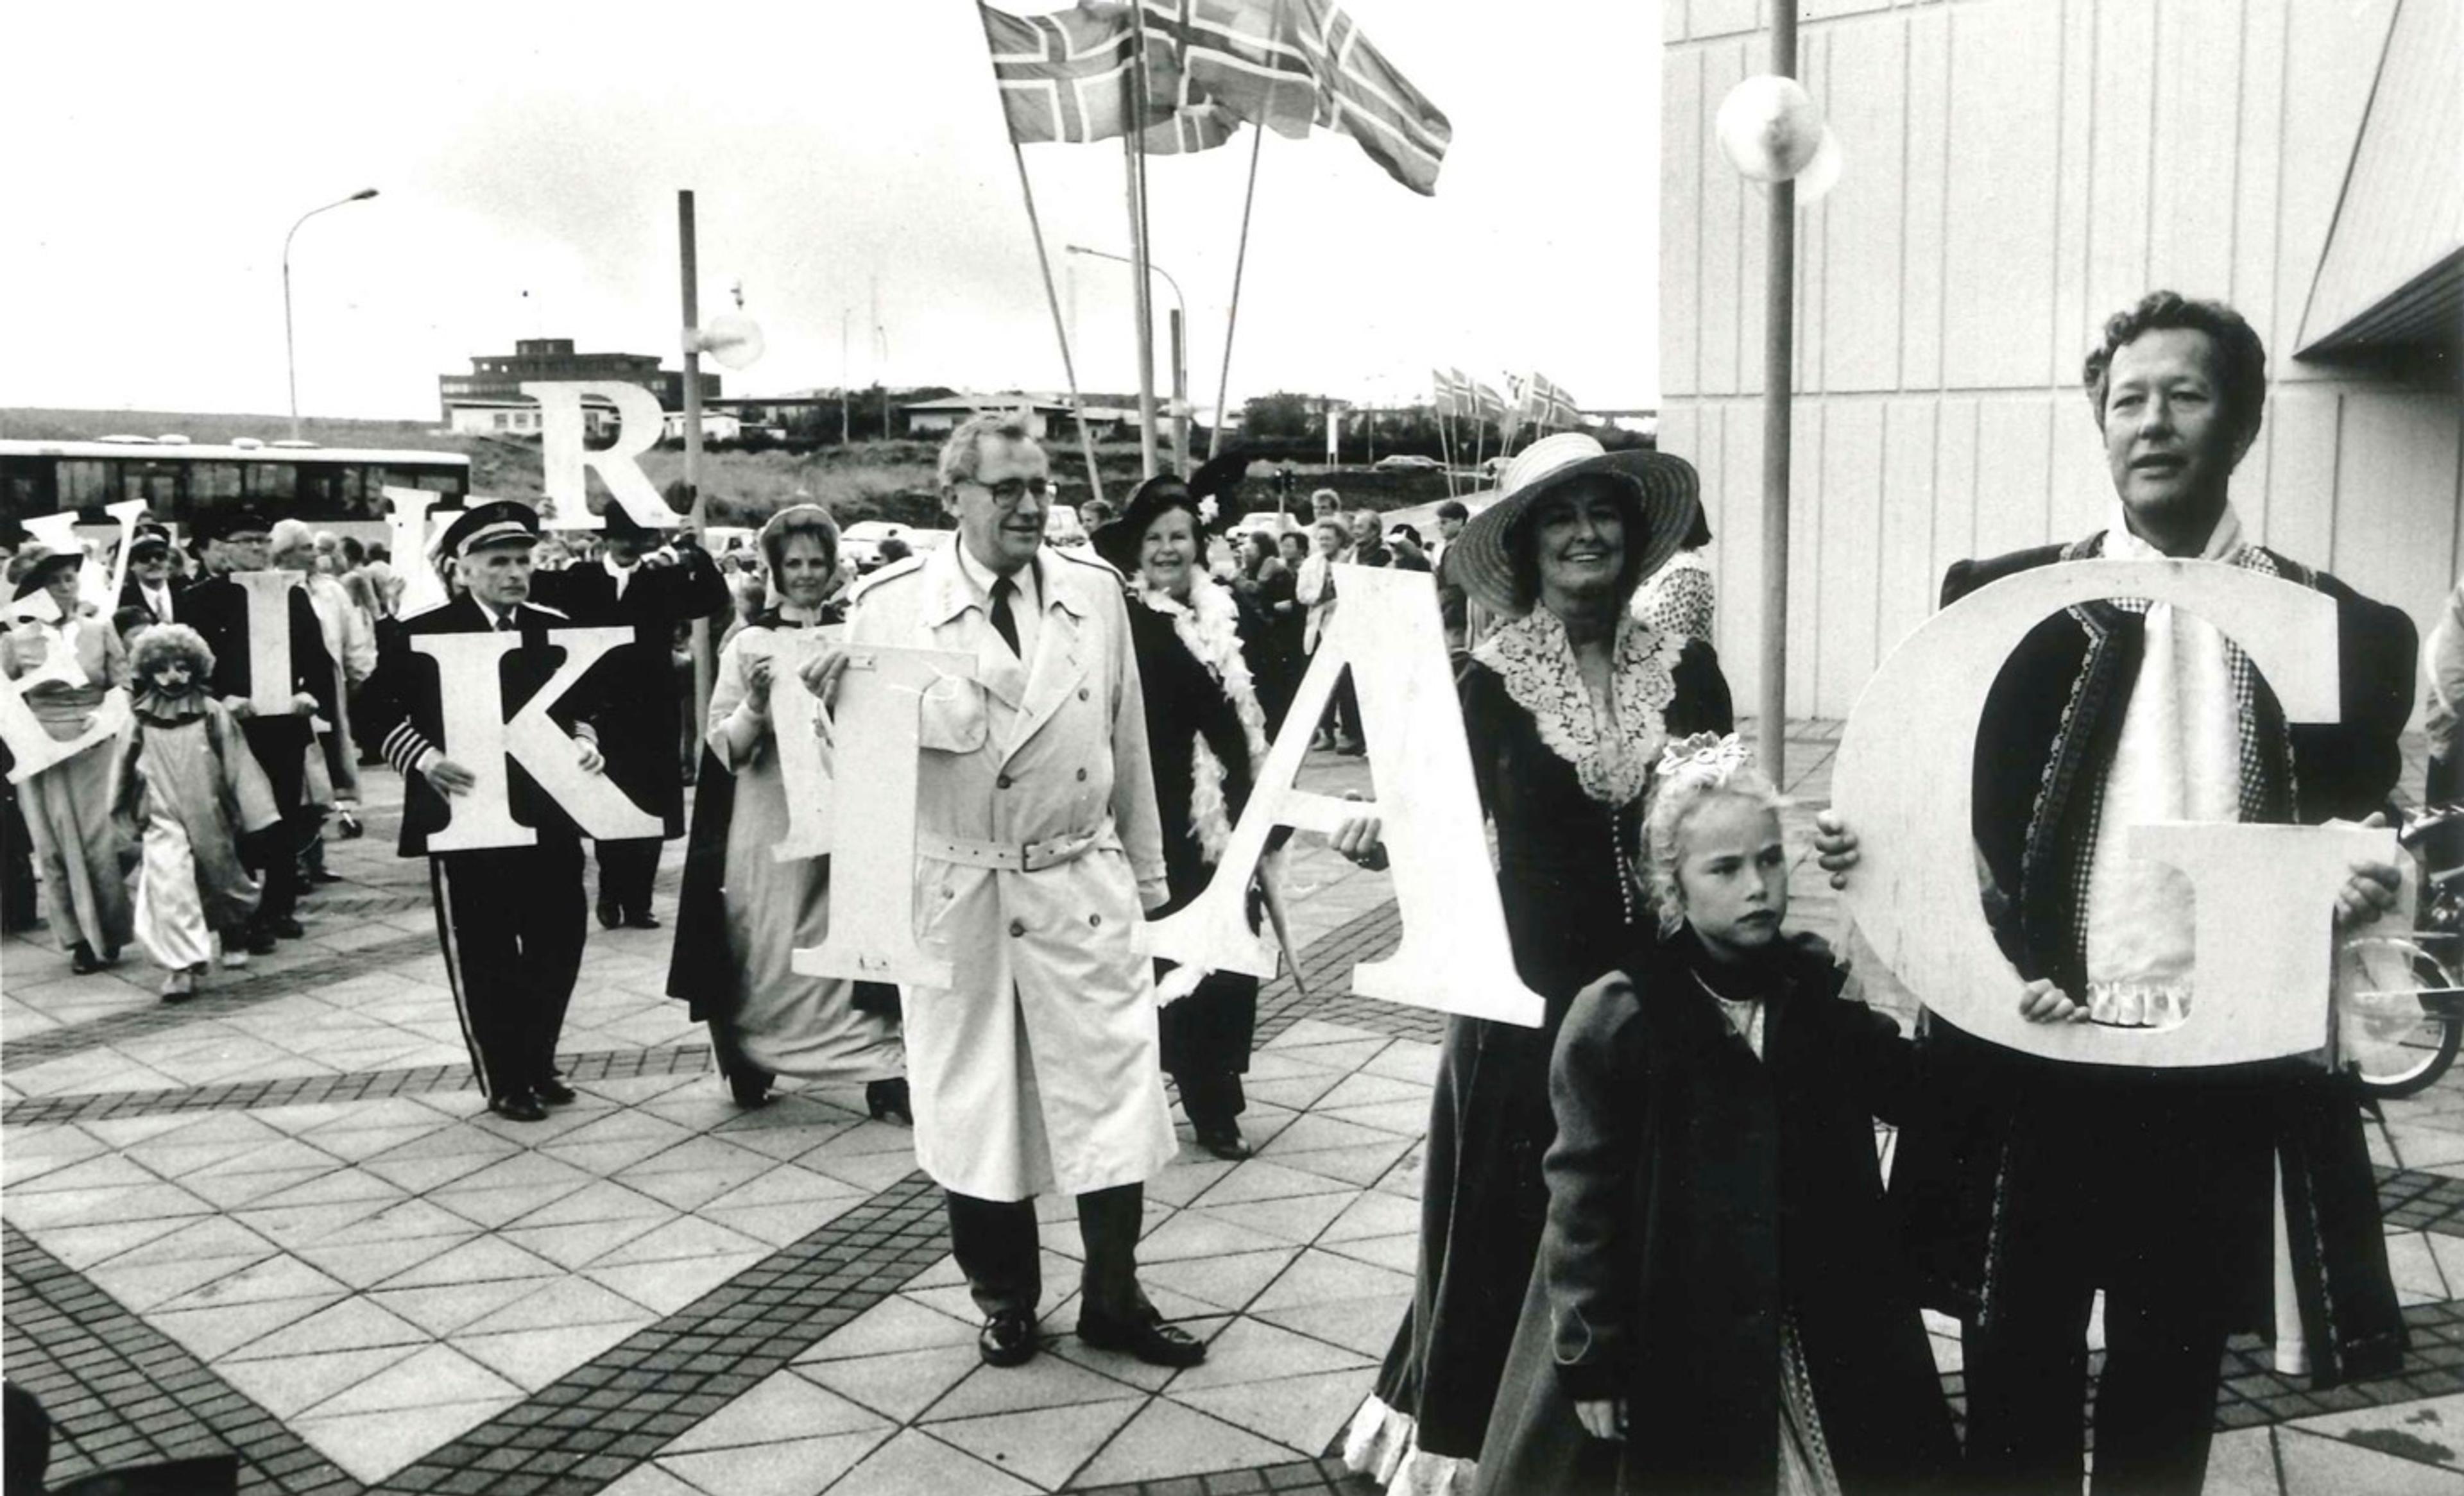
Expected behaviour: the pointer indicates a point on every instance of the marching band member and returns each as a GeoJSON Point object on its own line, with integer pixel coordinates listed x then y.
{"type": "Point", "coordinates": [512, 919]}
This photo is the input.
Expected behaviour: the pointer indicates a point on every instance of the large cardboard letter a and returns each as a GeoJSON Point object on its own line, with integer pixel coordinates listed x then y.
{"type": "Point", "coordinates": [1455, 955]}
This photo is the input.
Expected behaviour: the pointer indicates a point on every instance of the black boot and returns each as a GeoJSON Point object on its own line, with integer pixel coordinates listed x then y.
{"type": "Point", "coordinates": [887, 1101]}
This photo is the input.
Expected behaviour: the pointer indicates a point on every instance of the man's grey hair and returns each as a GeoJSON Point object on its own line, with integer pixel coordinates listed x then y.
{"type": "Point", "coordinates": [964, 448]}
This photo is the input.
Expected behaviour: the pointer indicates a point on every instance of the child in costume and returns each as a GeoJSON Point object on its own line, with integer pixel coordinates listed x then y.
{"type": "Point", "coordinates": [195, 790]}
{"type": "Point", "coordinates": [1720, 1303]}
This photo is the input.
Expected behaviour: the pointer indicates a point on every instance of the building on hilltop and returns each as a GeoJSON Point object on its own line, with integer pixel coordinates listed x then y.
{"type": "Point", "coordinates": [500, 377]}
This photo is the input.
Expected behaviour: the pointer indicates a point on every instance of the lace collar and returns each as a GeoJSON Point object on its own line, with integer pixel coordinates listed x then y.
{"type": "Point", "coordinates": [1537, 661]}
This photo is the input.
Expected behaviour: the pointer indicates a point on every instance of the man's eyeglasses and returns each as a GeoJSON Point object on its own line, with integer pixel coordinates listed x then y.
{"type": "Point", "coordinates": [1010, 493]}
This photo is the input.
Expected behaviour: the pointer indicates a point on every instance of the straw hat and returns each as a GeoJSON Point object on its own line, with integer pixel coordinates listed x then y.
{"type": "Point", "coordinates": [1662, 505]}
{"type": "Point", "coordinates": [32, 568]}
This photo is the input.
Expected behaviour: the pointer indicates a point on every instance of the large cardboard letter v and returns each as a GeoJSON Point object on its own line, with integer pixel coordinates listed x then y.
{"type": "Point", "coordinates": [1455, 956]}
{"type": "Point", "coordinates": [478, 737]}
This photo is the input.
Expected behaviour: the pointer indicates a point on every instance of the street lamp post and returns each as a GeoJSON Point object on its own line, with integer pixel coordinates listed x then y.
{"type": "Point", "coordinates": [290, 354]}
{"type": "Point", "coordinates": [1180, 359]}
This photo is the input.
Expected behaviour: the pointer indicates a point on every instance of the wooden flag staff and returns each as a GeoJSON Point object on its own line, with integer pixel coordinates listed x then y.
{"type": "Point", "coordinates": [1132, 136]}
{"type": "Point", "coordinates": [1239, 263]}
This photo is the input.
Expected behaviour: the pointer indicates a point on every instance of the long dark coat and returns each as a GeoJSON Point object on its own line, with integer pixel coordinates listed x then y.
{"type": "Point", "coordinates": [2160, 1181]}
{"type": "Point", "coordinates": [1698, 1195]}
{"type": "Point", "coordinates": [644, 720]}
{"type": "Point", "coordinates": [217, 609]}
{"type": "Point", "coordinates": [1571, 916]}
{"type": "Point", "coordinates": [1209, 1031]}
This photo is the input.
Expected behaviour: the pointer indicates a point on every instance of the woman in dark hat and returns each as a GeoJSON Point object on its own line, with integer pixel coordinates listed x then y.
{"type": "Point", "coordinates": [743, 914]}
{"type": "Point", "coordinates": [1205, 734]}
{"type": "Point", "coordinates": [66, 662]}
{"type": "Point", "coordinates": [1566, 708]}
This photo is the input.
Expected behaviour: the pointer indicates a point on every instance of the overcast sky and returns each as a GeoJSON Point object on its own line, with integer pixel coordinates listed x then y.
{"type": "Point", "coordinates": [528, 157]}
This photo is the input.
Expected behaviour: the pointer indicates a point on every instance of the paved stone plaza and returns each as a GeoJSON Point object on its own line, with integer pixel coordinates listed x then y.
{"type": "Point", "coordinates": [277, 1221]}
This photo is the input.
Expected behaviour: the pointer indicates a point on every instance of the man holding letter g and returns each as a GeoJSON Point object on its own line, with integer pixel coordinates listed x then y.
{"type": "Point", "coordinates": [2053, 1180]}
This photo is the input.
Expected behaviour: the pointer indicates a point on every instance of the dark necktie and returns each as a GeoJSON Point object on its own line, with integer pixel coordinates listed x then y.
{"type": "Point", "coordinates": [1003, 623]}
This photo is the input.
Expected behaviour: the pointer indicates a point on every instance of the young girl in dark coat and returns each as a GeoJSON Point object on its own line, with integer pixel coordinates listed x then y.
{"type": "Point", "coordinates": [1718, 1303]}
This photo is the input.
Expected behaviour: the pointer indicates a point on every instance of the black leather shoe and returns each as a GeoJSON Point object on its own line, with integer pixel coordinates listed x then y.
{"type": "Point", "coordinates": [518, 1106]}
{"type": "Point", "coordinates": [609, 915]}
{"type": "Point", "coordinates": [82, 961]}
{"type": "Point", "coordinates": [888, 1101]}
{"type": "Point", "coordinates": [642, 919]}
{"type": "Point", "coordinates": [1147, 1337]}
{"type": "Point", "coordinates": [320, 877]}
{"type": "Point", "coordinates": [553, 1091]}
{"type": "Point", "coordinates": [260, 940]}
{"type": "Point", "coordinates": [1007, 1339]}
{"type": "Point", "coordinates": [750, 1090]}
{"type": "Point", "coordinates": [286, 926]}
{"type": "Point", "coordinates": [1223, 1142]}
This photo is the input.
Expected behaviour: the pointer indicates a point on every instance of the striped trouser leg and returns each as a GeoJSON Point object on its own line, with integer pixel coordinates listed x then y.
{"type": "Point", "coordinates": [475, 925]}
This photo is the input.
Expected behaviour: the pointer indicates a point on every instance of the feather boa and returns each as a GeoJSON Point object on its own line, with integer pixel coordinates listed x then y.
{"type": "Point", "coordinates": [1209, 625]}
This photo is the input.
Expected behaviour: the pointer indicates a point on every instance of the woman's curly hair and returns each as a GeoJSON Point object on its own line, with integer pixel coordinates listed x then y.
{"type": "Point", "coordinates": [161, 641]}
{"type": "Point", "coordinates": [1693, 773]}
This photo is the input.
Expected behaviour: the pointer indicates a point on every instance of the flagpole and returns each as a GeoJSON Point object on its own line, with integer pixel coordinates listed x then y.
{"type": "Point", "coordinates": [1779, 369]}
{"type": "Point", "coordinates": [1060, 329]}
{"type": "Point", "coordinates": [1239, 261]}
{"type": "Point", "coordinates": [1132, 136]}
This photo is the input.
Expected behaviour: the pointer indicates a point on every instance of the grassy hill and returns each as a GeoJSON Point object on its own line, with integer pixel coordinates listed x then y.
{"type": "Point", "coordinates": [865, 480]}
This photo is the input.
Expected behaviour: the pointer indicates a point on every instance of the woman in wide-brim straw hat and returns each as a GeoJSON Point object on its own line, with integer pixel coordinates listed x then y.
{"type": "Point", "coordinates": [1566, 708]}
{"type": "Point", "coordinates": [67, 662]}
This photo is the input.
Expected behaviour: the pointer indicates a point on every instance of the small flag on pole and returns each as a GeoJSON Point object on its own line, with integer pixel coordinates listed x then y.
{"type": "Point", "coordinates": [1288, 65]}
{"type": "Point", "coordinates": [1061, 75]}
{"type": "Point", "coordinates": [1061, 79]}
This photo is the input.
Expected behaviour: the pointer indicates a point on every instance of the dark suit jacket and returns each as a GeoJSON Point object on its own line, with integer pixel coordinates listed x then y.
{"type": "Point", "coordinates": [132, 595]}
{"type": "Point", "coordinates": [217, 609]}
{"type": "Point", "coordinates": [2161, 1181]}
{"type": "Point", "coordinates": [403, 706]}
{"type": "Point", "coordinates": [640, 730]}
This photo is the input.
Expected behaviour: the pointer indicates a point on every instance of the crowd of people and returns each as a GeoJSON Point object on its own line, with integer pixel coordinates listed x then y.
{"type": "Point", "coordinates": [1656, 1251]}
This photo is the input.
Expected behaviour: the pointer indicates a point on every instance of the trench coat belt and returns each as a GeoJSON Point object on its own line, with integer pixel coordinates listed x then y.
{"type": "Point", "coordinates": [1010, 856]}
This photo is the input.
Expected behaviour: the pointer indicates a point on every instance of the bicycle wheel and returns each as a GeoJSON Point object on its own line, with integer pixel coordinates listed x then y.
{"type": "Point", "coordinates": [2398, 1047]}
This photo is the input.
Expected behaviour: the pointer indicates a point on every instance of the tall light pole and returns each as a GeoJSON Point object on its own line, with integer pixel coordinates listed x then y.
{"type": "Point", "coordinates": [290, 356]}
{"type": "Point", "coordinates": [1179, 361]}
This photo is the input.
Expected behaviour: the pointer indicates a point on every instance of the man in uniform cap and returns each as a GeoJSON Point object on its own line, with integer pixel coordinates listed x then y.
{"type": "Point", "coordinates": [652, 590]}
{"type": "Point", "coordinates": [150, 584]}
{"type": "Point", "coordinates": [235, 541]}
{"type": "Point", "coordinates": [511, 918]}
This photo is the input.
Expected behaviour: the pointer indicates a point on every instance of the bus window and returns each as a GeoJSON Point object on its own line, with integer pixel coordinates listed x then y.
{"type": "Point", "coordinates": [84, 481]}
{"type": "Point", "coordinates": [211, 486]}
{"type": "Point", "coordinates": [158, 483]}
{"type": "Point", "coordinates": [26, 486]}
{"type": "Point", "coordinates": [319, 490]}
{"type": "Point", "coordinates": [273, 483]}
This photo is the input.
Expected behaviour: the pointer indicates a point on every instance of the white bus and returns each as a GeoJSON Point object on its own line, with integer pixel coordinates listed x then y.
{"type": "Point", "coordinates": [334, 488]}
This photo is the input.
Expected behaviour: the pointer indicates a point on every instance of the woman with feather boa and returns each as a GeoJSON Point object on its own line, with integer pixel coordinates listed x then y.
{"type": "Point", "coordinates": [1206, 734]}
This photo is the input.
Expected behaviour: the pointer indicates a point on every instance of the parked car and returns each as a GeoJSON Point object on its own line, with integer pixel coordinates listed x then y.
{"type": "Point", "coordinates": [1407, 462]}
{"type": "Point", "coordinates": [861, 541]}
{"type": "Point", "coordinates": [1062, 526]}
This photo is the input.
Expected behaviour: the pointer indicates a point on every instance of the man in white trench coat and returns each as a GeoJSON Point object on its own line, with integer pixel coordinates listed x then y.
{"type": "Point", "coordinates": [1038, 850]}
